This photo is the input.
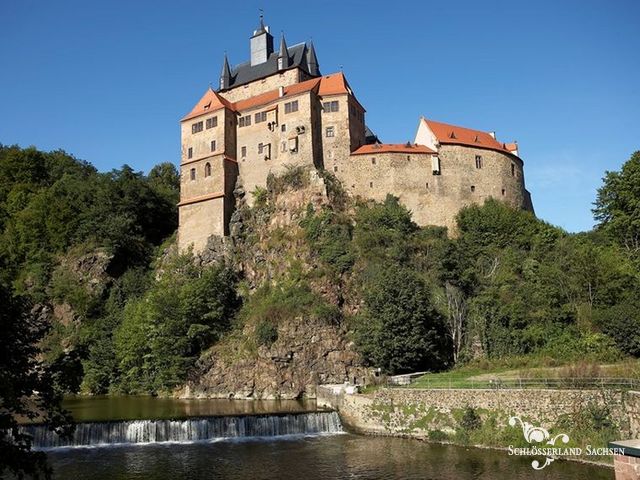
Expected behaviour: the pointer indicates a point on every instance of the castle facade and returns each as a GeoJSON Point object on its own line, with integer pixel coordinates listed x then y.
{"type": "Point", "coordinates": [278, 110]}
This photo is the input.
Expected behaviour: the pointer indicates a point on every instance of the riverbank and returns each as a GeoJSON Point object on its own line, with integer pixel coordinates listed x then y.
{"type": "Point", "coordinates": [483, 418]}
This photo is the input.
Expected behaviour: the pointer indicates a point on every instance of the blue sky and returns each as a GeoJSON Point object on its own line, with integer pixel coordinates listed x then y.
{"type": "Point", "coordinates": [108, 81]}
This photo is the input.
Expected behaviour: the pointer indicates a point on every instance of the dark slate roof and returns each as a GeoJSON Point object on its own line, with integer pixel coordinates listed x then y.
{"type": "Point", "coordinates": [245, 73]}
{"type": "Point", "coordinates": [369, 136]}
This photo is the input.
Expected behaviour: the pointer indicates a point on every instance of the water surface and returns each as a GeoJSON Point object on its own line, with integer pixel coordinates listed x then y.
{"type": "Point", "coordinates": [320, 457]}
{"type": "Point", "coordinates": [145, 407]}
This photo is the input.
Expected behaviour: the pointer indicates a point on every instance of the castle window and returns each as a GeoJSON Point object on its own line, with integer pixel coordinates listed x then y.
{"type": "Point", "coordinates": [408, 157]}
{"type": "Point", "coordinates": [245, 121]}
{"type": "Point", "coordinates": [328, 107]}
{"type": "Point", "coordinates": [513, 169]}
{"type": "Point", "coordinates": [261, 117]}
{"type": "Point", "coordinates": [207, 169]}
{"type": "Point", "coordinates": [193, 174]}
{"type": "Point", "coordinates": [264, 149]}
{"type": "Point", "coordinates": [196, 127]}
{"type": "Point", "coordinates": [503, 192]}
{"type": "Point", "coordinates": [291, 107]}
{"type": "Point", "coordinates": [335, 168]}
{"type": "Point", "coordinates": [190, 153]}
{"type": "Point", "coordinates": [427, 185]}
{"type": "Point", "coordinates": [283, 127]}
{"type": "Point", "coordinates": [244, 151]}
{"type": "Point", "coordinates": [213, 145]}
{"type": "Point", "coordinates": [283, 147]}
{"type": "Point", "coordinates": [478, 161]}
{"type": "Point", "coordinates": [212, 122]}
{"type": "Point", "coordinates": [330, 132]}
{"type": "Point", "coordinates": [293, 144]}
{"type": "Point", "coordinates": [373, 161]}
{"type": "Point", "coordinates": [370, 184]}
{"type": "Point", "coordinates": [473, 188]}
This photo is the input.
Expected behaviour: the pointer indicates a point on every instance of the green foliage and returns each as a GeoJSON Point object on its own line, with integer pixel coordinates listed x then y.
{"type": "Point", "coordinates": [622, 323]}
{"type": "Point", "coordinates": [399, 330]}
{"type": "Point", "coordinates": [293, 177]}
{"type": "Point", "coordinates": [164, 331]}
{"type": "Point", "coordinates": [329, 234]}
{"type": "Point", "coordinates": [617, 207]}
{"type": "Point", "coordinates": [288, 300]}
{"type": "Point", "coordinates": [28, 388]}
{"type": "Point", "coordinates": [382, 229]}
{"type": "Point", "coordinates": [260, 197]}
{"type": "Point", "coordinates": [266, 333]}
{"type": "Point", "coordinates": [470, 419]}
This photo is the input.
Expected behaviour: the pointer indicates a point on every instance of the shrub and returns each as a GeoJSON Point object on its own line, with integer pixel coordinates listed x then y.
{"type": "Point", "coordinates": [470, 419]}
{"type": "Point", "coordinates": [266, 333]}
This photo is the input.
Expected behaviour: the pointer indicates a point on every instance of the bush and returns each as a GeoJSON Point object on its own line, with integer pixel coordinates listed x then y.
{"type": "Point", "coordinates": [266, 333]}
{"type": "Point", "coordinates": [470, 419]}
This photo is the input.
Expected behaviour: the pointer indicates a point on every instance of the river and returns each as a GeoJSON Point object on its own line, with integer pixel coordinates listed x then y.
{"type": "Point", "coordinates": [265, 440]}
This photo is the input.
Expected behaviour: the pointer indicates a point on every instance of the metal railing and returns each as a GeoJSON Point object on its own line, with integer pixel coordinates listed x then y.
{"type": "Point", "coordinates": [443, 382]}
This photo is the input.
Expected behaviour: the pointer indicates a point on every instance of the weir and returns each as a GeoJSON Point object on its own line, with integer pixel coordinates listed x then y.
{"type": "Point", "coordinates": [187, 430]}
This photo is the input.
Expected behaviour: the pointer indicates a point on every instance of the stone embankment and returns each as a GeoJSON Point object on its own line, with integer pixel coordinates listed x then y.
{"type": "Point", "coordinates": [420, 412]}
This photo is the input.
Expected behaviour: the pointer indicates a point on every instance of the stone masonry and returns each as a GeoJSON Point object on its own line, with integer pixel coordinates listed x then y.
{"type": "Point", "coordinates": [279, 111]}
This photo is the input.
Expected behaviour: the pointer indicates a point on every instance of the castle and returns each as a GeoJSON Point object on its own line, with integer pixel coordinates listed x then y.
{"type": "Point", "coordinates": [278, 110]}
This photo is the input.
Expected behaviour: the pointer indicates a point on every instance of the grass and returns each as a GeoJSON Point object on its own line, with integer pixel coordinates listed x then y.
{"type": "Point", "coordinates": [510, 371]}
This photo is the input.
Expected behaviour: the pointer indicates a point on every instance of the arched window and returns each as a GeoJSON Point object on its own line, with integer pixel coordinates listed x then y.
{"type": "Point", "coordinates": [207, 170]}
{"type": "Point", "coordinates": [193, 174]}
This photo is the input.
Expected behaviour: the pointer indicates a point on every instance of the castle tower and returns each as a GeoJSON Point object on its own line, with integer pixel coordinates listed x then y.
{"type": "Point", "coordinates": [261, 44]}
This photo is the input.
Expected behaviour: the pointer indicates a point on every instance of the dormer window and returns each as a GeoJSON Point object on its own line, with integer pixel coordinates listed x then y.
{"type": "Point", "coordinates": [452, 135]}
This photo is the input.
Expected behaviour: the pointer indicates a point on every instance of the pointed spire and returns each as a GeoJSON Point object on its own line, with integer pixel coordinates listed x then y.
{"type": "Point", "coordinates": [283, 54]}
{"type": "Point", "coordinates": [312, 60]}
{"type": "Point", "coordinates": [225, 76]}
{"type": "Point", "coordinates": [261, 27]}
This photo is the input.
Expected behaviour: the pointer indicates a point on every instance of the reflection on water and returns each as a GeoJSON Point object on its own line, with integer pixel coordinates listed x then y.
{"type": "Point", "coordinates": [130, 407]}
{"type": "Point", "coordinates": [324, 457]}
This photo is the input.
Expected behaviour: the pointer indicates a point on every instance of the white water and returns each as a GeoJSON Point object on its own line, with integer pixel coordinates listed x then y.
{"type": "Point", "coordinates": [188, 430]}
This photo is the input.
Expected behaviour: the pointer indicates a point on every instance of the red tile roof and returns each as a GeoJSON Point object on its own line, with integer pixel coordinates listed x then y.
{"type": "Point", "coordinates": [210, 102]}
{"type": "Point", "coordinates": [273, 95]}
{"type": "Point", "coordinates": [391, 148]}
{"type": "Point", "coordinates": [454, 135]}
{"type": "Point", "coordinates": [333, 84]}
{"type": "Point", "coordinates": [512, 147]}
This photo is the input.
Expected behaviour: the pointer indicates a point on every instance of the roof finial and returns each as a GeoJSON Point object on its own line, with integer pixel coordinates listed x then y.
{"type": "Point", "coordinates": [261, 18]}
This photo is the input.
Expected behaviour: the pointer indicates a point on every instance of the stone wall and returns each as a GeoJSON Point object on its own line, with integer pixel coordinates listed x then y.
{"type": "Point", "coordinates": [284, 79]}
{"type": "Point", "coordinates": [254, 167]}
{"type": "Point", "coordinates": [626, 467]}
{"type": "Point", "coordinates": [416, 412]}
{"type": "Point", "coordinates": [435, 199]}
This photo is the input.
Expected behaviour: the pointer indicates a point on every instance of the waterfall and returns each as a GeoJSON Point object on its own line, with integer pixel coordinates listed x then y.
{"type": "Point", "coordinates": [187, 430]}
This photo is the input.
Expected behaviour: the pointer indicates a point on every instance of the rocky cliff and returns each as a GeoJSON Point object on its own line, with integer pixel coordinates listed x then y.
{"type": "Point", "coordinates": [268, 247]}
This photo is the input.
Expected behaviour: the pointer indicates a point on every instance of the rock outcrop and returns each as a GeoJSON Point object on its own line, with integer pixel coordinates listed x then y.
{"type": "Point", "coordinates": [266, 244]}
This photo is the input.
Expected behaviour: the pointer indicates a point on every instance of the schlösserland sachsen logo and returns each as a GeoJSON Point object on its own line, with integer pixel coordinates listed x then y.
{"type": "Point", "coordinates": [550, 447]}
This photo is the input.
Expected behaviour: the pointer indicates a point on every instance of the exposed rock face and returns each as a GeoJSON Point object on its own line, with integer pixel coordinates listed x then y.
{"type": "Point", "coordinates": [265, 245]}
{"type": "Point", "coordinates": [304, 355]}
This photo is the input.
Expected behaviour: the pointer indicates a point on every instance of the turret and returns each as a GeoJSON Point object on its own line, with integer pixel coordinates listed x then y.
{"type": "Point", "coordinates": [225, 76]}
{"type": "Point", "coordinates": [283, 55]}
{"type": "Point", "coordinates": [261, 44]}
{"type": "Point", "coordinates": [312, 61]}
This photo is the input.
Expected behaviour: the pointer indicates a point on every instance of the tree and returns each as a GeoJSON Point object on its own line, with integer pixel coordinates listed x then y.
{"type": "Point", "coordinates": [399, 330]}
{"type": "Point", "coordinates": [28, 389]}
{"type": "Point", "coordinates": [617, 207]}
